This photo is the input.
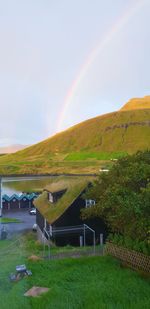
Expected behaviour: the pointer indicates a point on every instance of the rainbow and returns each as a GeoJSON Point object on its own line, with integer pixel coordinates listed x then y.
{"type": "Point", "coordinates": [122, 20]}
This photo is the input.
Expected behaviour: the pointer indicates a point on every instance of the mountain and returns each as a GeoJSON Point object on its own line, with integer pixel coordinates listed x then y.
{"type": "Point", "coordinates": [12, 148]}
{"type": "Point", "coordinates": [126, 130]}
{"type": "Point", "coordinates": [137, 103]}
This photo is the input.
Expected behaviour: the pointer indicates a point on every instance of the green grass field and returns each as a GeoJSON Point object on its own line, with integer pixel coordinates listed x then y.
{"type": "Point", "coordinates": [48, 166]}
{"type": "Point", "coordinates": [9, 220]}
{"type": "Point", "coordinates": [79, 156]}
{"type": "Point", "coordinates": [88, 282]}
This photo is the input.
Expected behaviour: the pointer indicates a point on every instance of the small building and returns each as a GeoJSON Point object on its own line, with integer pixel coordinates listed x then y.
{"type": "Point", "coordinates": [60, 205]}
{"type": "Point", "coordinates": [18, 201]}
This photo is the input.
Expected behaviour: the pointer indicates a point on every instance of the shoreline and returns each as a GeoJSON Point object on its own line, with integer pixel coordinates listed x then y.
{"type": "Point", "coordinates": [11, 176]}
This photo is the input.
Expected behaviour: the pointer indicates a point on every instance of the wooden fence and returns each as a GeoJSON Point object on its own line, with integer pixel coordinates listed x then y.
{"type": "Point", "coordinates": [135, 260]}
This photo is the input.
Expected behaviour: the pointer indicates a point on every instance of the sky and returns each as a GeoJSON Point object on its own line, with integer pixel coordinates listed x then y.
{"type": "Point", "coordinates": [65, 61]}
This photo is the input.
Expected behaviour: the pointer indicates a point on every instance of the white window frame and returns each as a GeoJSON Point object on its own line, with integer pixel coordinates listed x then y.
{"type": "Point", "coordinates": [50, 197]}
{"type": "Point", "coordinates": [89, 203]}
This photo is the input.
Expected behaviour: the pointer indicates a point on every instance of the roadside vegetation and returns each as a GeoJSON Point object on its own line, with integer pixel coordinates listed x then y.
{"type": "Point", "coordinates": [9, 220]}
{"type": "Point", "coordinates": [87, 282]}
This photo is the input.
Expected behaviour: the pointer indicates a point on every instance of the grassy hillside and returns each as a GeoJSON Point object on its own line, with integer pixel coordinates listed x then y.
{"type": "Point", "coordinates": [81, 147]}
{"type": "Point", "coordinates": [137, 103]}
{"type": "Point", "coordinates": [118, 131]}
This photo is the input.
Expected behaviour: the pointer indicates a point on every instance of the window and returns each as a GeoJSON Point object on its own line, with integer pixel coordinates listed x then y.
{"type": "Point", "coordinates": [51, 198]}
{"type": "Point", "coordinates": [89, 203]}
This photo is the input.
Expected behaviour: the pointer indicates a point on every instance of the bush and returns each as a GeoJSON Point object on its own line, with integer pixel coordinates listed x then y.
{"type": "Point", "coordinates": [122, 198]}
{"type": "Point", "coordinates": [129, 243]}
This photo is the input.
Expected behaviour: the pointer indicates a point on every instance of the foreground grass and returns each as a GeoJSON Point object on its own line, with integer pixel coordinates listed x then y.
{"type": "Point", "coordinates": [96, 282]}
{"type": "Point", "coordinates": [89, 282]}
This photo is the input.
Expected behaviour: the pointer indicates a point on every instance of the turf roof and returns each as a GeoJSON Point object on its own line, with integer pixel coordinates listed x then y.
{"type": "Point", "coordinates": [57, 185]}
{"type": "Point", "coordinates": [74, 187]}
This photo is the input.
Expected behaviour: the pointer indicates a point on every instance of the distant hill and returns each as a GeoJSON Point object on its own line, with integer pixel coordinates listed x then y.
{"type": "Point", "coordinates": [11, 148]}
{"type": "Point", "coordinates": [124, 130]}
{"type": "Point", "coordinates": [127, 130]}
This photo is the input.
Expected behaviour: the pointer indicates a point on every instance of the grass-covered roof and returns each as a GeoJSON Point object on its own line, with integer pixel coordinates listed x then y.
{"type": "Point", "coordinates": [74, 187]}
{"type": "Point", "coordinates": [57, 186]}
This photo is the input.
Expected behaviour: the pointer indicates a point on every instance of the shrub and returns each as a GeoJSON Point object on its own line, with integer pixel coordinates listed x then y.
{"type": "Point", "coordinates": [122, 199]}
{"type": "Point", "coordinates": [129, 243]}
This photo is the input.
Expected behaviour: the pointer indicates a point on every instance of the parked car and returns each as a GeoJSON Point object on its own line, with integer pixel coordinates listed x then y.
{"type": "Point", "coordinates": [32, 211]}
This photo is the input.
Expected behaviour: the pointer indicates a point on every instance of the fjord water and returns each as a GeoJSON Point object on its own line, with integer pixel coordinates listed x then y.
{"type": "Point", "coordinates": [11, 185]}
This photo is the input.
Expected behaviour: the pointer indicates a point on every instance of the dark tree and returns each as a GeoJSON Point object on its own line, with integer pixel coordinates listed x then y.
{"type": "Point", "coordinates": [123, 197]}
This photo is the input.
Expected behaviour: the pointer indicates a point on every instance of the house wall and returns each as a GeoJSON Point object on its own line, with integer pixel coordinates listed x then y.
{"type": "Point", "coordinates": [40, 220]}
{"type": "Point", "coordinates": [14, 204]}
{"type": "Point", "coordinates": [72, 217]}
{"type": "Point", "coordinates": [40, 235]}
{"type": "Point", "coordinates": [24, 203]}
{"type": "Point", "coordinates": [5, 205]}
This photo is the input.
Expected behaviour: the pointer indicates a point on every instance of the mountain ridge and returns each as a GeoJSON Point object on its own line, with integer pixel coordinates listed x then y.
{"type": "Point", "coordinates": [124, 131]}
{"type": "Point", "coordinates": [75, 138]}
{"type": "Point", "coordinates": [12, 148]}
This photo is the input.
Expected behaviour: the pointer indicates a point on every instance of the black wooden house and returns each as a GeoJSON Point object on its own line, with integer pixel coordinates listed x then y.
{"type": "Point", "coordinates": [60, 205]}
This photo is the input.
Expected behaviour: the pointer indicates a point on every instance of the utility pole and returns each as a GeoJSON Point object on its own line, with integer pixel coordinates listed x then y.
{"type": "Point", "coordinates": [0, 196]}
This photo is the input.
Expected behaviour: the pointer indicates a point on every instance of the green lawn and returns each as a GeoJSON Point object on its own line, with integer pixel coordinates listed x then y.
{"type": "Point", "coordinates": [88, 282]}
{"type": "Point", "coordinates": [9, 220]}
{"type": "Point", "coordinates": [79, 156]}
{"type": "Point", "coordinates": [52, 167]}
{"type": "Point", "coordinates": [70, 163]}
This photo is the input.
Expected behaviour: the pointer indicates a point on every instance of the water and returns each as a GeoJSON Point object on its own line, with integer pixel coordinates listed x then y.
{"type": "Point", "coordinates": [11, 185]}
